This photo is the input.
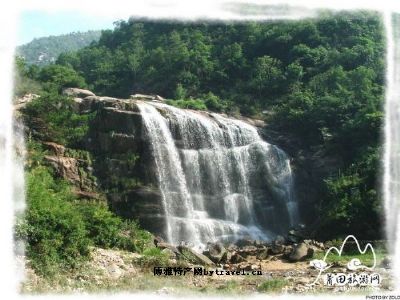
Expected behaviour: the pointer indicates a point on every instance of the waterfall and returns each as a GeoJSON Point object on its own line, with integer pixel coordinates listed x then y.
{"type": "Point", "coordinates": [214, 174]}
{"type": "Point", "coordinates": [391, 182]}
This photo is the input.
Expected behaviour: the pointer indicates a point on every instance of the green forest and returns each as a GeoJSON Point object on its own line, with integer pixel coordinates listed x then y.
{"type": "Point", "coordinates": [319, 80]}
{"type": "Point", "coordinates": [45, 50]}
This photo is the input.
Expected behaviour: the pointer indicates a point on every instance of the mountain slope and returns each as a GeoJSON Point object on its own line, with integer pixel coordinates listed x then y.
{"type": "Point", "coordinates": [44, 50]}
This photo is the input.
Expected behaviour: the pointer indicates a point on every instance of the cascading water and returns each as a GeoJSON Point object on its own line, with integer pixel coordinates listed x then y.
{"type": "Point", "coordinates": [391, 182]}
{"type": "Point", "coordinates": [214, 173]}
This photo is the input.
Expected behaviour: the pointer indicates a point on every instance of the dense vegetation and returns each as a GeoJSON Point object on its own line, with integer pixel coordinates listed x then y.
{"type": "Point", "coordinates": [59, 228]}
{"type": "Point", "coordinates": [45, 50]}
{"type": "Point", "coordinates": [320, 81]}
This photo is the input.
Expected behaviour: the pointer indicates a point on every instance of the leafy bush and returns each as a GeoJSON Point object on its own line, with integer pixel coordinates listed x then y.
{"type": "Point", "coordinates": [103, 227]}
{"type": "Point", "coordinates": [59, 77]}
{"type": "Point", "coordinates": [196, 104]}
{"type": "Point", "coordinates": [55, 234]}
{"type": "Point", "coordinates": [51, 117]}
{"type": "Point", "coordinates": [213, 102]}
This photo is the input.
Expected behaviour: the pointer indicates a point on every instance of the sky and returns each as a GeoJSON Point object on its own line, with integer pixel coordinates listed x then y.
{"type": "Point", "coordinates": [39, 18]}
{"type": "Point", "coordinates": [35, 24]}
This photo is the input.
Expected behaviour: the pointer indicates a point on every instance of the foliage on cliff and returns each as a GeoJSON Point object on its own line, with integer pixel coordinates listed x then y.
{"type": "Point", "coordinates": [58, 228]}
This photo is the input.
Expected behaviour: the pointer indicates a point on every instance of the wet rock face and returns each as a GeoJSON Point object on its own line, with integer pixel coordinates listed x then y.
{"type": "Point", "coordinates": [310, 166]}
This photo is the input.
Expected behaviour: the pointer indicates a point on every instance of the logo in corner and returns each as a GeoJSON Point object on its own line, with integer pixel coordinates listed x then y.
{"type": "Point", "coordinates": [353, 265]}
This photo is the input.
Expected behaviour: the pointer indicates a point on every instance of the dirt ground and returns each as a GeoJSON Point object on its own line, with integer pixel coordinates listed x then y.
{"type": "Point", "coordinates": [112, 271]}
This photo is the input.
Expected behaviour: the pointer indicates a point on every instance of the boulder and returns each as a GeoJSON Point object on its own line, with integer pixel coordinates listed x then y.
{"type": "Point", "coordinates": [157, 239]}
{"type": "Point", "coordinates": [277, 249]}
{"type": "Point", "coordinates": [159, 98]}
{"type": "Point", "coordinates": [163, 245]}
{"type": "Point", "coordinates": [264, 254]}
{"type": "Point", "coordinates": [301, 252]}
{"type": "Point", "coordinates": [232, 247]}
{"type": "Point", "coordinates": [288, 250]}
{"type": "Point", "coordinates": [279, 240]}
{"type": "Point", "coordinates": [244, 242]}
{"type": "Point", "coordinates": [193, 256]}
{"type": "Point", "coordinates": [106, 99]}
{"type": "Point", "coordinates": [171, 254]}
{"type": "Point", "coordinates": [293, 238]}
{"type": "Point", "coordinates": [78, 93]}
{"type": "Point", "coordinates": [142, 97]}
{"type": "Point", "coordinates": [248, 251]}
{"type": "Point", "coordinates": [250, 267]}
{"type": "Point", "coordinates": [227, 257]}
{"type": "Point", "coordinates": [260, 244]}
{"type": "Point", "coordinates": [236, 258]}
{"type": "Point", "coordinates": [318, 245]}
{"type": "Point", "coordinates": [216, 251]}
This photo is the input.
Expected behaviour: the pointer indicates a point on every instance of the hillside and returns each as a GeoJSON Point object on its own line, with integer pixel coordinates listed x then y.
{"type": "Point", "coordinates": [44, 50]}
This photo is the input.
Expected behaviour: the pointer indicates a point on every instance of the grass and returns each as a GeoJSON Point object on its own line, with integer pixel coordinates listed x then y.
{"type": "Point", "coordinates": [272, 285]}
{"type": "Point", "coordinates": [229, 286]}
{"type": "Point", "coordinates": [366, 259]}
{"type": "Point", "coordinates": [153, 257]}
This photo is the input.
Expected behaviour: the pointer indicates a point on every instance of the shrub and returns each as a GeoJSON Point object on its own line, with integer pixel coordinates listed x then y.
{"type": "Point", "coordinates": [59, 77]}
{"type": "Point", "coordinates": [55, 234]}
{"type": "Point", "coordinates": [196, 104]}
{"type": "Point", "coordinates": [153, 257]}
{"type": "Point", "coordinates": [51, 117]}
{"type": "Point", "coordinates": [103, 227]}
{"type": "Point", "coordinates": [213, 102]}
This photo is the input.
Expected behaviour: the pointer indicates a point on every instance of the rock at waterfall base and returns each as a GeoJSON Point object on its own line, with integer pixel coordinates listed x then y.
{"type": "Point", "coordinates": [216, 252]}
{"type": "Point", "coordinates": [301, 252]}
{"type": "Point", "coordinates": [193, 256]}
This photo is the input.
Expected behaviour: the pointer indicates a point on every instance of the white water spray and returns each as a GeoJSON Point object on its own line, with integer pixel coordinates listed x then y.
{"type": "Point", "coordinates": [391, 180]}
{"type": "Point", "coordinates": [215, 174]}
{"type": "Point", "coordinates": [10, 173]}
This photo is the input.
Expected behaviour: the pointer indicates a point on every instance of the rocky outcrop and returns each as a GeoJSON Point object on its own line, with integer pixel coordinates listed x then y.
{"type": "Point", "coordinates": [21, 102]}
{"type": "Point", "coordinates": [78, 93]}
{"type": "Point", "coordinates": [73, 166]}
{"type": "Point", "coordinates": [146, 97]}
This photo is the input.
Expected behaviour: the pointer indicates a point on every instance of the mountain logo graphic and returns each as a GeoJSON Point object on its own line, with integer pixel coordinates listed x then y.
{"type": "Point", "coordinates": [353, 265]}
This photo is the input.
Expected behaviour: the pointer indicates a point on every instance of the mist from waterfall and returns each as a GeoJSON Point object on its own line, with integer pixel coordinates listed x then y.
{"type": "Point", "coordinates": [212, 172]}
{"type": "Point", "coordinates": [391, 180]}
